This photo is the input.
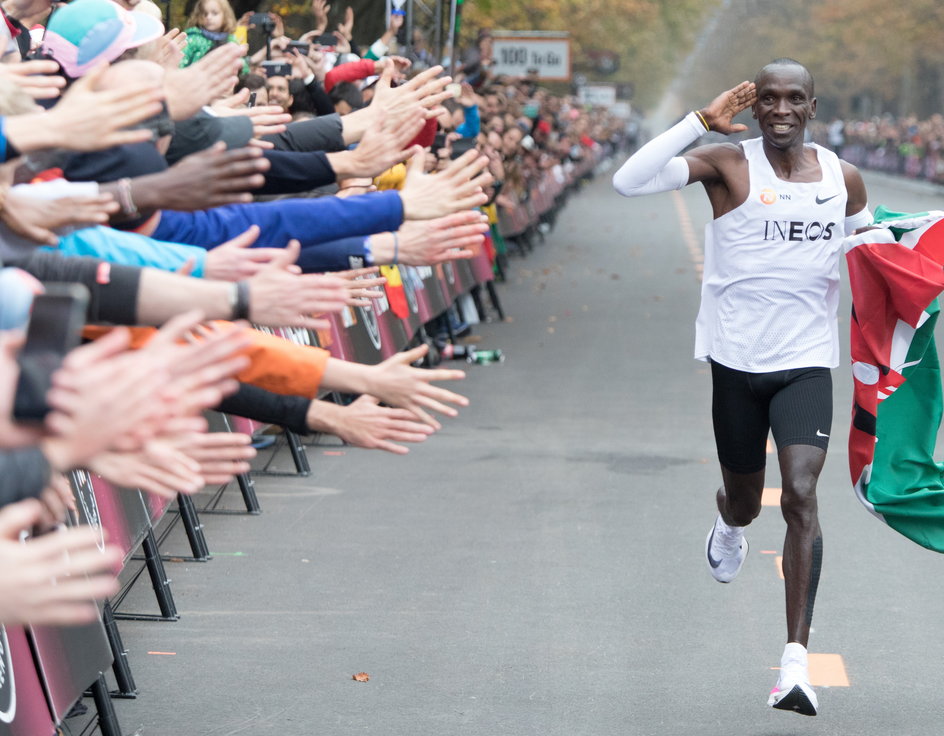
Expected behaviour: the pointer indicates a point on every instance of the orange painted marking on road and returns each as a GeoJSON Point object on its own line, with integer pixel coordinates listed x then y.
{"type": "Point", "coordinates": [779, 561]}
{"type": "Point", "coordinates": [770, 447]}
{"type": "Point", "coordinates": [768, 551]}
{"type": "Point", "coordinates": [828, 670]}
{"type": "Point", "coordinates": [165, 654]}
{"type": "Point", "coordinates": [771, 497]}
{"type": "Point", "coordinates": [333, 453]}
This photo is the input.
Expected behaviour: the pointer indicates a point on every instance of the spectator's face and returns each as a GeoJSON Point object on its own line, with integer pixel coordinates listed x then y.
{"type": "Point", "coordinates": [494, 140]}
{"type": "Point", "coordinates": [511, 140]}
{"type": "Point", "coordinates": [212, 16]}
{"type": "Point", "coordinates": [492, 105]}
{"type": "Point", "coordinates": [278, 92]}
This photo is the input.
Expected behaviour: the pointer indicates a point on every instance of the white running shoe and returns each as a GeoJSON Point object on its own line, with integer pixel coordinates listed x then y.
{"type": "Point", "coordinates": [793, 690]}
{"type": "Point", "coordinates": [724, 552]}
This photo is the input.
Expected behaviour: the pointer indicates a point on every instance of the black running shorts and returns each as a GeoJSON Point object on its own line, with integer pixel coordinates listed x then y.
{"type": "Point", "coordinates": [796, 404]}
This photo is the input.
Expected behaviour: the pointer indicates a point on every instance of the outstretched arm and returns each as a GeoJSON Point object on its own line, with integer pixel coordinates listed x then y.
{"type": "Point", "coordinates": [657, 167]}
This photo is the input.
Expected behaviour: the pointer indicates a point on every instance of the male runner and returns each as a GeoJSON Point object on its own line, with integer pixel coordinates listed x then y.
{"type": "Point", "coordinates": [767, 322]}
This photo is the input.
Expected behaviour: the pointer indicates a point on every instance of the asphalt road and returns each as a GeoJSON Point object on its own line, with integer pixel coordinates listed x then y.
{"type": "Point", "coordinates": [536, 569]}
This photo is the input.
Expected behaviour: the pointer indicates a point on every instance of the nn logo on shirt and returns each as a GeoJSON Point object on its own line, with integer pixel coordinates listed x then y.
{"type": "Point", "coordinates": [769, 196]}
{"type": "Point", "coordinates": [798, 230]}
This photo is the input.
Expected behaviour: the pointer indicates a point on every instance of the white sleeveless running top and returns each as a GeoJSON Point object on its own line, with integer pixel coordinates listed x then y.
{"type": "Point", "coordinates": [771, 282]}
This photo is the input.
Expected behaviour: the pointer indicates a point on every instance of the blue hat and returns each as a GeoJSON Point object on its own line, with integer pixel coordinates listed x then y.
{"type": "Point", "coordinates": [86, 33]}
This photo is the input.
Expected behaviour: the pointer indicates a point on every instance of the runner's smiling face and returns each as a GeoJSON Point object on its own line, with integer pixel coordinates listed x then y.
{"type": "Point", "coordinates": [784, 104]}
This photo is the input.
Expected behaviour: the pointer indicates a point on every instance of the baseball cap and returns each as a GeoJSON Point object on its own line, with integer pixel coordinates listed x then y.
{"type": "Point", "coordinates": [85, 33]}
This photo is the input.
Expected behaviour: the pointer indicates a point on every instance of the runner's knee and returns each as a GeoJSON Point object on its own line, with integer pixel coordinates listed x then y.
{"type": "Point", "coordinates": [798, 500]}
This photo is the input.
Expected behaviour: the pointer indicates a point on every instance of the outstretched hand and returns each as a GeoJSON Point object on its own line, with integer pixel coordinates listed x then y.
{"type": "Point", "coordinates": [365, 423]}
{"type": "Point", "coordinates": [396, 382]}
{"type": "Point", "coordinates": [52, 579]}
{"type": "Point", "coordinates": [721, 111]}
{"type": "Point", "coordinates": [281, 296]}
{"type": "Point", "coordinates": [427, 242]}
{"type": "Point", "coordinates": [456, 188]}
{"type": "Point", "coordinates": [236, 259]}
{"type": "Point", "coordinates": [36, 219]}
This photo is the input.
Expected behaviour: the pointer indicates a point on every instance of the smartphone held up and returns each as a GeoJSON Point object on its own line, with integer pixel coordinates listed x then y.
{"type": "Point", "coordinates": [55, 328]}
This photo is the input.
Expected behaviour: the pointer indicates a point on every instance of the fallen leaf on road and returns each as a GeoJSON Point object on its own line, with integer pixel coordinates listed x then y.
{"type": "Point", "coordinates": [361, 677]}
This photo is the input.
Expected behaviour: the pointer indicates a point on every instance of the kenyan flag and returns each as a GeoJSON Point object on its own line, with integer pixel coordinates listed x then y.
{"type": "Point", "coordinates": [896, 276]}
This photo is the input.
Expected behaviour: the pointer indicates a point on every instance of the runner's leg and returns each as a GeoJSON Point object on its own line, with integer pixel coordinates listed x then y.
{"type": "Point", "coordinates": [801, 416]}
{"type": "Point", "coordinates": [741, 422]}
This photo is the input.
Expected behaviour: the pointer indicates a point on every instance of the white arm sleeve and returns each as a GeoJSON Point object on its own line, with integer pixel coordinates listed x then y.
{"type": "Point", "coordinates": [854, 222]}
{"type": "Point", "coordinates": [655, 167]}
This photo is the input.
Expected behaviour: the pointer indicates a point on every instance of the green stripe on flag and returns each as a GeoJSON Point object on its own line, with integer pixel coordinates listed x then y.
{"type": "Point", "coordinates": [907, 486]}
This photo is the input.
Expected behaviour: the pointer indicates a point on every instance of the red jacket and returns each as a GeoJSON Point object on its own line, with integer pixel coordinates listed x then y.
{"type": "Point", "coordinates": [349, 72]}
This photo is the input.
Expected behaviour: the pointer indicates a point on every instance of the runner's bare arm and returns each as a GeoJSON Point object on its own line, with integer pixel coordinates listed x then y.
{"type": "Point", "coordinates": [858, 198]}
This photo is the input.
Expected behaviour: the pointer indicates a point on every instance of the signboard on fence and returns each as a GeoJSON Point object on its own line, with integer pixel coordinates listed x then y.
{"type": "Point", "coordinates": [23, 707]}
{"type": "Point", "coordinates": [598, 95]}
{"type": "Point", "coordinates": [515, 53]}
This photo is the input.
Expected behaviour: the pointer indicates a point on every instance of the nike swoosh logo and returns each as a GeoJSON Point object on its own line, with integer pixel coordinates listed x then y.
{"type": "Point", "coordinates": [820, 434]}
{"type": "Point", "coordinates": [824, 201]}
{"type": "Point", "coordinates": [712, 561]}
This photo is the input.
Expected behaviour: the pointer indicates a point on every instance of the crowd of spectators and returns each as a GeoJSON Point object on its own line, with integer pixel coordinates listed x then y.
{"type": "Point", "coordinates": [184, 186]}
{"type": "Point", "coordinates": [905, 146]}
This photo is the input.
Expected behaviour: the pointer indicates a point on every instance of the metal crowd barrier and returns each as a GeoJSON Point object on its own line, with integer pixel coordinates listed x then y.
{"type": "Point", "coordinates": [45, 671]}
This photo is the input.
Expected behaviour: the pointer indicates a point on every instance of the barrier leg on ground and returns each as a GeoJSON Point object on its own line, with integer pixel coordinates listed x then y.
{"type": "Point", "coordinates": [186, 512]}
{"type": "Point", "coordinates": [247, 489]}
{"type": "Point", "coordinates": [107, 719]}
{"type": "Point", "coordinates": [299, 457]}
{"type": "Point", "coordinates": [477, 300]}
{"type": "Point", "coordinates": [493, 298]}
{"type": "Point", "coordinates": [160, 583]}
{"type": "Point", "coordinates": [193, 527]}
{"type": "Point", "coordinates": [221, 423]}
{"type": "Point", "coordinates": [120, 667]}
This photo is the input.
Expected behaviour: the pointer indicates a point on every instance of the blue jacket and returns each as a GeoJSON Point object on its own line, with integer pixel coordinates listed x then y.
{"type": "Point", "coordinates": [310, 221]}
{"type": "Point", "coordinates": [130, 249]}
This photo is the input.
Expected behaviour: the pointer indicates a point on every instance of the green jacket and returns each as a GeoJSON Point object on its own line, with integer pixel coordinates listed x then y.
{"type": "Point", "coordinates": [199, 46]}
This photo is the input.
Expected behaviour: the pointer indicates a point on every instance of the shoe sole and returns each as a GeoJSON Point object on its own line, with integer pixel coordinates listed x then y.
{"type": "Point", "coordinates": [797, 701]}
{"type": "Point", "coordinates": [747, 549]}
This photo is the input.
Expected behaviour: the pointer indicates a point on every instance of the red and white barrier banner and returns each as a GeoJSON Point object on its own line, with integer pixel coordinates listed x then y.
{"type": "Point", "coordinates": [23, 707]}
{"type": "Point", "coordinates": [69, 660]}
{"type": "Point", "coordinates": [119, 514]}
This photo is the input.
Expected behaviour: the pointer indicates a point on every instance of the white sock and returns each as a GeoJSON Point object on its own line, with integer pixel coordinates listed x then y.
{"type": "Point", "coordinates": [729, 531]}
{"type": "Point", "coordinates": [794, 653]}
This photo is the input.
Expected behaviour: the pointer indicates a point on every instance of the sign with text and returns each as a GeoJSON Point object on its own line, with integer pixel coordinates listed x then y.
{"type": "Point", "coordinates": [598, 95]}
{"type": "Point", "coordinates": [516, 55]}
